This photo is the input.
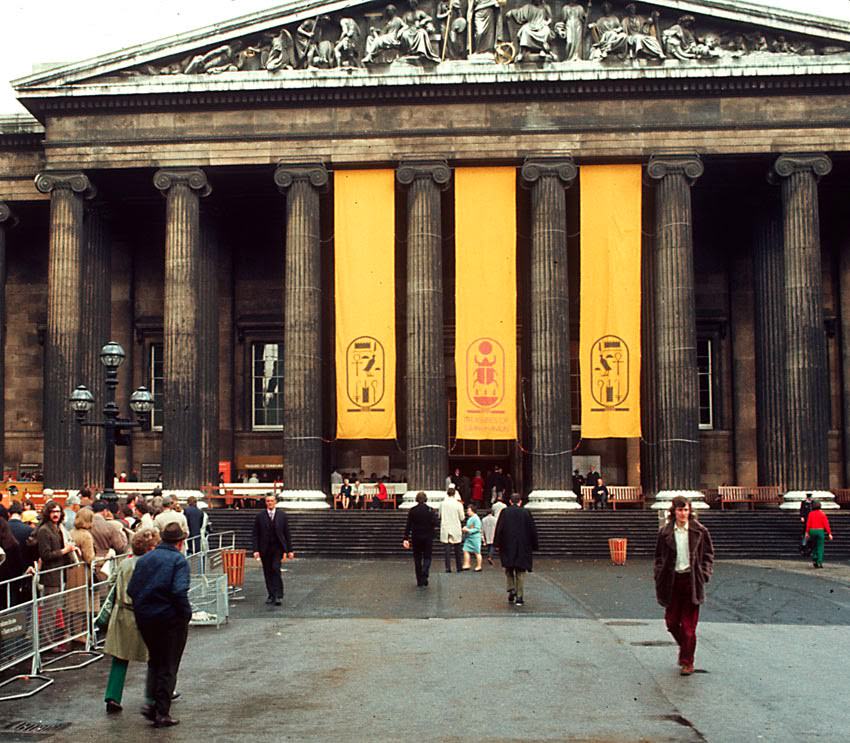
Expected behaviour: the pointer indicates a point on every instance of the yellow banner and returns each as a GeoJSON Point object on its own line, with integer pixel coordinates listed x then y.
{"type": "Point", "coordinates": [609, 330]}
{"type": "Point", "coordinates": [485, 301]}
{"type": "Point", "coordinates": [364, 286]}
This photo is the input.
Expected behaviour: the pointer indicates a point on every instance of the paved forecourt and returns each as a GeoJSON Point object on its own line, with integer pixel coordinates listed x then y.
{"type": "Point", "coordinates": [359, 653]}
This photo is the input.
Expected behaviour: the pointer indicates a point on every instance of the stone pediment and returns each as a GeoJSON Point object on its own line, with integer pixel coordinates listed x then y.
{"type": "Point", "coordinates": [364, 43]}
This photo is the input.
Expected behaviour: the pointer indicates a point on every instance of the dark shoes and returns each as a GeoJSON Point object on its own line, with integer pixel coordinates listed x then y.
{"type": "Point", "coordinates": [519, 601]}
{"type": "Point", "coordinates": [112, 706]}
{"type": "Point", "coordinates": [165, 721]}
{"type": "Point", "coordinates": [149, 712]}
{"type": "Point", "coordinates": [270, 600]}
{"type": "Point", "coordinates": [511, 596]}
{"type": "Point", "coordinates": [277, 602]}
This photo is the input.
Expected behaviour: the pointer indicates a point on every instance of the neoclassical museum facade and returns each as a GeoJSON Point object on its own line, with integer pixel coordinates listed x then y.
{"type": "Point", "coordinates": [182, 198]}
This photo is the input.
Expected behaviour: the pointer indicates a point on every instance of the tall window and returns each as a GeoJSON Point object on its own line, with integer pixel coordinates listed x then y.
{"type": "Point", "coordinates": [705, 373]}
{"type": "Point", "coordinates": [471, 447]}
{"type": "Point", "coordinates": [155, 382]}
{"type": "Point", "coordinates": [267, 397]}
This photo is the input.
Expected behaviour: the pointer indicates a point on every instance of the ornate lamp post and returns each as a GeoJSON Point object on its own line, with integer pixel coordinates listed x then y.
{"type": "Point", "coordinates": [141, 403]}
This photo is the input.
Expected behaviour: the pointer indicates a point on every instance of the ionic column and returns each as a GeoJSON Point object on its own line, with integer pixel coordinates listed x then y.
{"type": "Point", "coordinates": [302, 336]}
{"type": "Point", "coordinates": [677, 388]}
{"type": "Point", "coordinates": [769, 285]}
{"type": "Point", "coordinates": [7, 220]}
{"type": "Point", "coordinates": [550, 420]}
{"type": "Point", "coordinates": [62, 462]}
{"type": "Point", "coordinates": [95, 333]}
{"type": "Point", "coordinates": [183, 365]}
{"type": "Point", "coordinates": [427, 421]}
{"type": "Point", "coordinates": [806, 372]}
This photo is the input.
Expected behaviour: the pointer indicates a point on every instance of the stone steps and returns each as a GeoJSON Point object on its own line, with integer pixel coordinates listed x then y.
{"type": "Point", "coordinates": [767, 534]}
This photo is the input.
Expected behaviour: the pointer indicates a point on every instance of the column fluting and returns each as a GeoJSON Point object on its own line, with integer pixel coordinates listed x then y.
{"type": "Point", "coordinates": [183, 367]}
{"type": "Point", "coordinates": [426, 414]}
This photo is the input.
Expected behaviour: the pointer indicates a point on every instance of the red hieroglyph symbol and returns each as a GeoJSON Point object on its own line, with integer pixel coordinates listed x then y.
{"type": "Point", "coordinates": [485, 365]}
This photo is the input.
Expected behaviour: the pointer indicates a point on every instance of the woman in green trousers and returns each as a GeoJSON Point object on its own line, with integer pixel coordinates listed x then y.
{"type": "Point", "coordinates": [817, 530]}
{"type": "Point", "coordinates": [123, 641]}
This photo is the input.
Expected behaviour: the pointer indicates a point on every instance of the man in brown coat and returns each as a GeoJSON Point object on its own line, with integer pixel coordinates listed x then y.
{"type": "Point", "coordinates": [684, 558]}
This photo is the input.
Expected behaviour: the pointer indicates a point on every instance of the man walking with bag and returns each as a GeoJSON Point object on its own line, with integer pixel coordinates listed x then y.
{"type": "Point", "coordinates": [419, 533]}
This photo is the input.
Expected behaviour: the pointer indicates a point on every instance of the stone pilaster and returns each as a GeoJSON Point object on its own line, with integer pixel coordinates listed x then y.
{"type": "Point", "coordinates": [94, 333]}
{"type": "Point", "coordinates": [677, 390]}
{"type": "Point", "coordinates": [427, 418]}
{"type": "Point", "coordinates": [844, 310]}
{"type": "Point", "coordinates": [208, 333]}
{"type": "Point", "coordinates": [68, 190]}
{"type": "Point", "coordinates": [302, 336]}
{"type": "Point", "coordinates": [806, 372]}
{"type": "Point", "coordinates": [649, 423]}
{"type": "Point", "coordinates": [183, 365]}
{"type": "Point", "coordinates": [550, 421]}
{"type": "Point", "coordinates": [769, 286]}
{"type": "Point", "coordinates": [7, 220]}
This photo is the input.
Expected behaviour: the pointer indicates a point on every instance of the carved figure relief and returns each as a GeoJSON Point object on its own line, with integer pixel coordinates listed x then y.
{"type": "Point", "coordinates": [428, 32]}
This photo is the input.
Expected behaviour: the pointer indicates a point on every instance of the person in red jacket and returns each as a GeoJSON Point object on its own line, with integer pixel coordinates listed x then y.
{"type": "Point", "coordinates": [817, 529]}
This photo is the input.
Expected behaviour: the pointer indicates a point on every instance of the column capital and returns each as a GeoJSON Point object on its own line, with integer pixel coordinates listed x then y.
{"type": "Point", "coordinates": [437, 170]}
{"type": "Point", "coordinates": [47, 181]}
{"type": "Point", "coordinates": [7, 215]}
{"type": "Point", "coordinates": [800, 162]}
{"type": "Point", "coordinates": [316, 174]}
{"type": "Point", "coordinates": [535, 168]}
{"type": "Point", "coordinates": [193, 178]}
{"type": "Point", "coordinates": [660, 166]}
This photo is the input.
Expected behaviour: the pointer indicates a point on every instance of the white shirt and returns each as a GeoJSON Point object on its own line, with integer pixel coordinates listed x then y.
{"type": "Point", "coordinates": [167, 517]}
{"type": "Point", "coordinates": [451, 521]}
{"type": "Point", "coordinates": [497, 508]}
{"type": "Point", "coordinates": [683, 549]}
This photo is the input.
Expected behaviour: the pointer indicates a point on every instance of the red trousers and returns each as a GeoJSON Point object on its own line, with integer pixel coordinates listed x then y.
{"type": "Point", "coordinates": [682, 616]}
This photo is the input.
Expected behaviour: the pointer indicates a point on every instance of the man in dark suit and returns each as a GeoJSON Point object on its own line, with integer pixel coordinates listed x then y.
{"type": "Point", "coordinates": [516, 538]}
{"type": "Point", "coordinates": [421, 523]}
{"type": "Point", "coordinates": [271, 543]}
{"type": "Point", "coordinates": [195, 518]}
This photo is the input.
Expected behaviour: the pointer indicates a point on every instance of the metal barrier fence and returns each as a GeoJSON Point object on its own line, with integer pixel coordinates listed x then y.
{"type": "Point", "coordinates": [19, 632]}
{"type": "Point", "coordinates": [50, 610]}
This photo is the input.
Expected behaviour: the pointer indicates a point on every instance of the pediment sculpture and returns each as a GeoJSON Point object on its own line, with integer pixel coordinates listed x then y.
{"type": "Point", "coordinates": [520, 32]}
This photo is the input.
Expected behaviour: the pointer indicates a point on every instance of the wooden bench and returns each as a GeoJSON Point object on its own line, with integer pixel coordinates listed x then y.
{"type": "Point", "coordinates": [622, 495]}
{"type": "Point", "coordinates": [735, 494]}
{"type": "Point", "coordinates": [767, 495]}
{"type": "Point", "coordinates": [394, 491]}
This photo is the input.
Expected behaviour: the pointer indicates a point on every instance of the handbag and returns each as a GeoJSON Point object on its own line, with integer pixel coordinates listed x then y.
{"type": "Point", "coordinates": [102, 619]}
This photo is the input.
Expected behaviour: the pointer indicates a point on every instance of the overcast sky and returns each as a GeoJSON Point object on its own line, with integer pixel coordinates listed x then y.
{"type": "Point", "coordinates": [41, 31]}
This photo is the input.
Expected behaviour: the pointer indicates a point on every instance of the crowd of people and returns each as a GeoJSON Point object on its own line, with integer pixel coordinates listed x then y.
{"type": "Point", "coordinates": [150, 608]}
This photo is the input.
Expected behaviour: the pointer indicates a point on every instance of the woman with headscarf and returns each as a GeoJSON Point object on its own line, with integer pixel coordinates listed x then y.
{"type": "Point", "coordinates": [123, 640]}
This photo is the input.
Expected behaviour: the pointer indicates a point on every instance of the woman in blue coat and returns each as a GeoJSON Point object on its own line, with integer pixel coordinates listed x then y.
{"type": "Point", "coordinates": [472, 539]}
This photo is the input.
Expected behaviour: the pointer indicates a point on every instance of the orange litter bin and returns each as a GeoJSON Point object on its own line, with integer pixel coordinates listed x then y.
{"type": "Point", "coordinates": [617, 548]}
{"type": "Point", "coordinates": [233, 562]}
